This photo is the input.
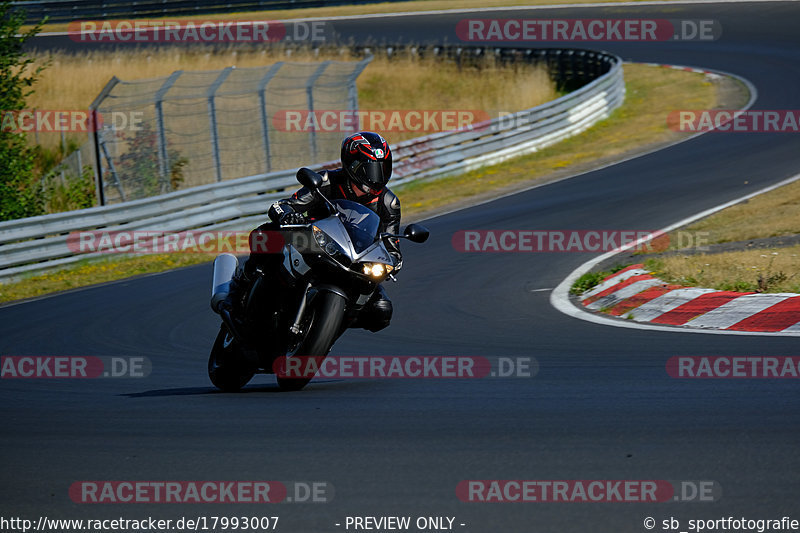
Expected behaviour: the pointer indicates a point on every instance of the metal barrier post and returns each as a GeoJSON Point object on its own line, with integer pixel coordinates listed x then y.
{"type": "Point", "coordinates": [93, 109]}
{"type": "Point", "coordinates": [352, 90]}
{"type": "Point", "coordinates": [262, 105]}
{"type": "Point", "coordinates": [310, 96]}
{"type": "Point", "coordinates": [212, 117]}
{"type": "Point", "coordinates": [111, 167]}
{"type": "Point", "coordinates": [163, 157]}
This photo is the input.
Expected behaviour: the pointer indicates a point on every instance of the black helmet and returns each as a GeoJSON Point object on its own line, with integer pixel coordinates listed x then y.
{"type": "Point", "coordinates": [367, 159]}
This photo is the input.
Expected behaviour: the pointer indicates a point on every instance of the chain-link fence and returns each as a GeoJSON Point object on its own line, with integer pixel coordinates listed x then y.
{"type": "Point", "coordinates": [196, 128]}
{"type": "Point", "coordinates": [70, 184]}
{"type": "Point", "coordinates": [75, 164]}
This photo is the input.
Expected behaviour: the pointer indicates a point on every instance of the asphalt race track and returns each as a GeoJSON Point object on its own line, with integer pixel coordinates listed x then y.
{"type": "Point", "coordinates": [601, 407]}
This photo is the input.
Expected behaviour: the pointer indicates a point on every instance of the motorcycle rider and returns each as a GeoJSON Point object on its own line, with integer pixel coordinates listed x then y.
{"type": "Point", "coordinates": [366, 168]}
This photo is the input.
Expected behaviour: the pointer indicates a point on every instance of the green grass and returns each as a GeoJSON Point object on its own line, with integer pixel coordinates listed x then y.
{"type": "Point", "coordinates": [591, 279]}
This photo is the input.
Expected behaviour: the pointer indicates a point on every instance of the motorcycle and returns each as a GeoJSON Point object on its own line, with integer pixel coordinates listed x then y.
{"type": "Point", "coordinates": [328, 270]}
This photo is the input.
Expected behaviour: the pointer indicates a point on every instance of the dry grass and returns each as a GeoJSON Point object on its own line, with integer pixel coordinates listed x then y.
{"type": "Point", "coordinates": [652, 93]}
{"type": "Point", "coordinates": [72, 81]}
{"type": "Point", "coordinates": [411, 83]}
{"type": "Point", "coordinates": [769, 270]}
{"type": "Point", "coordinates": [774, 214]}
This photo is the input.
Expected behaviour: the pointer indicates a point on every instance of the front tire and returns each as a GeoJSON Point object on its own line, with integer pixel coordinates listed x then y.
{"type": "Point", "coordinates": [327, 315]}
{"type": "Point", "coordinates": [226, 367]}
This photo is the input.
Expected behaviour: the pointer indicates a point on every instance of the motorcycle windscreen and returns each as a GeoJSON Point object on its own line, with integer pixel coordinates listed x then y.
{"type": "Point", "coordinates": [360, 222]}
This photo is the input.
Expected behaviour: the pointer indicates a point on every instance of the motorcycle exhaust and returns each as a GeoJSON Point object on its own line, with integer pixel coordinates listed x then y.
{"type": "Point", "coordinates": [225, 266]}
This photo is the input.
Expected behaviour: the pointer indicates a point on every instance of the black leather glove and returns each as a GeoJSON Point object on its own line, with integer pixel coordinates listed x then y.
{"type": "Point", "coordinates": [398, 261]}
{"type": "Point", "coordinates": [288, 219]}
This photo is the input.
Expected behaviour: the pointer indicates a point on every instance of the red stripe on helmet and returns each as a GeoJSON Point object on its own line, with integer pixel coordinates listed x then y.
{"type": "Point", "coordinates": [356, 141]}
{"type": "Point", "coordinates": [366, 149]}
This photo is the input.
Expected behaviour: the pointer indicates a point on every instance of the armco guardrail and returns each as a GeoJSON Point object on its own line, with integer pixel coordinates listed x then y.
{"type": "Point", "coordinates": [36, 243]}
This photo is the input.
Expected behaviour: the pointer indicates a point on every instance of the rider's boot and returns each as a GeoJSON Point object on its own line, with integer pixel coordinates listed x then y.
{"type": "Point", "coordinates": [376, 314]}
{"type": "Point", "coordinates": [237, 293]}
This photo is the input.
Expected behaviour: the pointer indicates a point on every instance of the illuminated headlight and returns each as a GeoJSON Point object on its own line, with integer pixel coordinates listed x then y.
{"type": "Point", "coordinates": [320, 236]}
{"type": "Point", "coordinates": [326, 243]}
{"type": "Point", "coordinates": [376, 270]}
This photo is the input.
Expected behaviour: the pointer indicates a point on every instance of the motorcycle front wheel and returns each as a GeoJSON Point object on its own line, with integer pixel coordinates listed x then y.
{"type": "Point", "coordinates": [325, 319]}
{"type": "Point", "coordinates": [226, 367]}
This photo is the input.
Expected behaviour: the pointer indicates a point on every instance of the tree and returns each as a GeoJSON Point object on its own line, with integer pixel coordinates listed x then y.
{"type": "Point", "coordinates": [20, 194]}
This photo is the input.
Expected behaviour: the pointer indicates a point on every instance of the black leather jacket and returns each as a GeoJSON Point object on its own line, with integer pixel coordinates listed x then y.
{"type": "Point", "coordinates": [336, 186]}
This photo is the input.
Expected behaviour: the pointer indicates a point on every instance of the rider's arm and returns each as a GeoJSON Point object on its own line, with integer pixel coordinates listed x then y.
{"type": "Point", "coordinates": [302, 201]}
{"type": "Point", "coordinates": [390, 216]}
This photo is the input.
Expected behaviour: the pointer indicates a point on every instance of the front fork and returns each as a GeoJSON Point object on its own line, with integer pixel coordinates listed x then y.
{"type": "Point", "coordinates": [301, 309]}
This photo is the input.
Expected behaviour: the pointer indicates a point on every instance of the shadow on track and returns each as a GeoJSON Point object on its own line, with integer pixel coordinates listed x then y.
{"type": "Point", "coordinates": [200, 391]}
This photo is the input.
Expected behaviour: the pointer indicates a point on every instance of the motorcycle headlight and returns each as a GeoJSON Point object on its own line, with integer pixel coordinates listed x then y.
{"type": "Point", "coordinates": [320, 236]}
{"type": "Point", "coordinates": [376, 270]}
{"type": "Point", "coordinates": [326, 243]}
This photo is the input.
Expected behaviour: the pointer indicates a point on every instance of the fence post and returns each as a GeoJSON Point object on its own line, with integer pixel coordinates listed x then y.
{"type": "Point", "coordinates": [352, 90]}
{"type": "Point", "coordinates": [212, 117]}
{"type": "Point", "coordinates": [93, 109]}
{"type": "Point", "coordinates": [262, 105]}
{"type": "Point", "coordinates": [112, 168]}
{"type": "Point", "coordinates": [310, 97]}
{"type": "Point", "coordinates": [163, 157]}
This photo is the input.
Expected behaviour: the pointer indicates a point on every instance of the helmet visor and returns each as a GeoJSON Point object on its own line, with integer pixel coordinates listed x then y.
{"type": "Point", "coordinates": [369, 174]}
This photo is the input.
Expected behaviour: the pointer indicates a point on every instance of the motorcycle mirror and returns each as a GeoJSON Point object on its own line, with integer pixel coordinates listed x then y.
{"type": "Point", "coordinates": [309, 179]}
{"type": "Point", "coordinates": [416, 233]}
